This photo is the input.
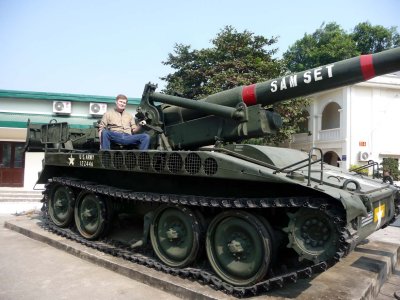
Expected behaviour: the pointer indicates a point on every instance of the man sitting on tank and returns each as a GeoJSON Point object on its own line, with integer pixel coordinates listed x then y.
{"type": "Point", "coordinates": [119, 126]}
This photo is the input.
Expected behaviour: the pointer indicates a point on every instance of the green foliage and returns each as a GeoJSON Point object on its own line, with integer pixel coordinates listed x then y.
{"type": "Point", "coordinates": [255, 141]}
{"type": "Point", "coordinates": [362, 171]}
{"type": "Point", "coordinates": [331, 43]}
{"type": "Point", "coordinates": [292, 113]}
{"type": "Point", "coordinates": [303, 122]}
{"type": "Point", "coordinates": [372, 39]}
{"type": "Point", "coordinates": [328, 44]}
{"type": "Point", "coordinates": [391, 165]}
{"type": "Point", "coordinates": [235, 59]}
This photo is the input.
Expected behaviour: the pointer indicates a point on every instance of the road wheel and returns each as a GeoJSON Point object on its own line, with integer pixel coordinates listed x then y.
{"type": "Point", "coordinates": [238, 247]}
{"type": "Point", "coordinates": [175, 234]}
{"type": "Point", "coordinates": [91, 215]}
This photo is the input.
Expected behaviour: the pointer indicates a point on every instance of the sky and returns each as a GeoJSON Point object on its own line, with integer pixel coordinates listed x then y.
{"type": "Point", "coordinates": [109, 47]}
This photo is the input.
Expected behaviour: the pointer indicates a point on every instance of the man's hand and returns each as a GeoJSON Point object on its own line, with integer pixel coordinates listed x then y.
{"type": "Point", "coordinates": [143, 122]}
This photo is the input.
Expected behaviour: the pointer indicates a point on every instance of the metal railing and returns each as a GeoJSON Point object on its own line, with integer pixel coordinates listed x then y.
{"type": "Point", "coordinates": [307, 163]}
{"type": "Point", "coordinates": [370, 163]}
{"type": "Point", "coordinates": [300, 164]}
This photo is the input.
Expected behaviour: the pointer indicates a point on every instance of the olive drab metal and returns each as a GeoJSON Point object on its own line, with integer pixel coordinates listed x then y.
{"type": "Point", "coordinates": [242, 218]}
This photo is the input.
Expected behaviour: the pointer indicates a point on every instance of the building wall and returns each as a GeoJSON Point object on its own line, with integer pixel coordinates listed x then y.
{"type": "Point", "coordinates": [376, 117]}
{"type": "Point", "coordinates": [33, 165]}
{"type": "Point", "coordinates": [16, 107]}
{"type": "Point", "coordinates": [369, 117]}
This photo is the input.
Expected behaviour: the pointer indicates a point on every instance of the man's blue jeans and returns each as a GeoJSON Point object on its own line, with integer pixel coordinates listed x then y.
{"type": "Point", "coordinates": [107, 136]}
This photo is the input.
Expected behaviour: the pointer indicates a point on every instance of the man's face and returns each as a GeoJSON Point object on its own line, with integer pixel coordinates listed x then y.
{"type": "Point", "coordinates": [121, 104]}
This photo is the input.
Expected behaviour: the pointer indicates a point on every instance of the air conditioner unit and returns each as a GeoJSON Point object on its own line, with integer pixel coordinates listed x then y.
{"type": "Point", "coordinates": [97, 108]}
{"type": "Point", "coordinates": [62, 107]}
{"type": "Point", "coordinates": [363, 156]}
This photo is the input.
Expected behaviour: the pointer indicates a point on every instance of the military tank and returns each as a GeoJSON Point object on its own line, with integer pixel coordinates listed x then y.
{"type": "Point", "coordinates": [199, 204]}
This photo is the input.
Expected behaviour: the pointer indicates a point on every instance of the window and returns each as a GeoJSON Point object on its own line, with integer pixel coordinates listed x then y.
{"type": "Point", "coordinates": [5, 155]}
{"type": "Point", "coordinates": [19, 156]}
{"type": "Point", "coordinates": [11, 155]}
{"type": "Point", "coordinates": [12, 162]}
{"type": "Point", "coordinates": [331, 116]}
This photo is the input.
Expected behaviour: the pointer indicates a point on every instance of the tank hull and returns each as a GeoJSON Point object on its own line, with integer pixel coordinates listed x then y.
{"type": "Point", "coordinates": [215, 189]}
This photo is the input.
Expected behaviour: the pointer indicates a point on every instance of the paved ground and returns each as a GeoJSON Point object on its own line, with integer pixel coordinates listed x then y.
{"type": "Point", "coordinates": [34, 270]}
{"type": "Point", "coordinates": [392, 285]}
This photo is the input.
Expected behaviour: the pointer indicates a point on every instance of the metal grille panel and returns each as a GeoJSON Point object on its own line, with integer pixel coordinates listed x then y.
{"type": "Point", "coordinates": [193, 163]}
{"type": "Point", "coordinates": [118, 160]}
{"type": "Point", "coordinates": [144, 161]}
{"type": "Point", "coordinates": [106, 159]}
{"type": "Point", "coordinates": [210, 166]}
{"type": "Point", "coordinates": [130, 160]}
{"type": "Point", "coordinates": [159, 162]}
{"type": "Point", "coordinates": [174, 163]}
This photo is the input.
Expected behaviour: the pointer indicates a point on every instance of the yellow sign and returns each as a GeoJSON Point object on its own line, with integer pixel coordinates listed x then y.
{"type": "Point", "coordinates": [379, 213]}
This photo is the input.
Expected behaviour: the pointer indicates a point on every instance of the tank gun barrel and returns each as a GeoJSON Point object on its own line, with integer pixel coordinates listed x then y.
{"type": "Point", "coordinates": [338, 74]}
{"type": "Point", "coordinates": [210, 108]}
{"type": "Point", "coordinates": [334, 75]}
{"type": "Point", "coordinates": [243, 108]}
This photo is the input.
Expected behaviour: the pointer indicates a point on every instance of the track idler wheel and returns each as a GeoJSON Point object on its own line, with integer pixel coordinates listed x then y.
{"type": "Point", "coordinates": [61, 205]}
{"type": "Point", "coordinates": [312, 234]}
{"type": "Point", "coordinates": [238, 247]}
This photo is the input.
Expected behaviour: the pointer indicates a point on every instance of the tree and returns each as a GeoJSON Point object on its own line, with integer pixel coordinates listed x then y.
{"type": "Point", "coordinates": [235, 59]}
{"type": "Point", "coordinates": [329, 43]}
{"type": "Point", "coordinates": [391, 165]}
{"type": "Point", "coordinates": [372, 39]}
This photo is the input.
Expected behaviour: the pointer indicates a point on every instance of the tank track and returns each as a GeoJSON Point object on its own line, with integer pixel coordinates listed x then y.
{"type": "Point", "coordinates": [118, 249]}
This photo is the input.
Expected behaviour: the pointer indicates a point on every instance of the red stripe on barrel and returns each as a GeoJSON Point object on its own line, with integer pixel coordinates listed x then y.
{"type": "Point", "coordinates": [367, 66]}
{"type": "Point", "coordinates": [249, 95]}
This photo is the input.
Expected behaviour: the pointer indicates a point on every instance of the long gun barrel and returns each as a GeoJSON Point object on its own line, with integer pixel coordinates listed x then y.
{"type": "Point", "coordinates": [239, 113]}
{"type": "Point", "coordinates": [338, 74]}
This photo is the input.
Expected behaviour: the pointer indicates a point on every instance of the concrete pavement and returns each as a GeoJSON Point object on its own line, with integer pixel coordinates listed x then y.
{"type": "Point", "coordinates": [391, 234]}
{"type": "Point", "coordinates": [34, 270]}
{"type": "Point", "coordinates": [30, 269]}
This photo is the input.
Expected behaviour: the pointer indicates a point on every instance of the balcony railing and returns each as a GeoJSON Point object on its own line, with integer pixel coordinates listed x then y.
{"type": "Point", "coordinates": [329, 134]}
{"type": "Point", "coordinates": [323, 135]}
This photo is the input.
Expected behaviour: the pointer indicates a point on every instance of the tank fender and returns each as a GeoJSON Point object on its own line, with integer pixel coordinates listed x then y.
{"type": "Point", "coordinates": [352, 203]}
{"type": "Point", "coordinates": [354, 206]}
{"type": "Point", "coordinates": [44, 175]}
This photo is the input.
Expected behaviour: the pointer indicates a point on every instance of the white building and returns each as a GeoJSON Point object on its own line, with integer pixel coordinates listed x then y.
{"type": "Point", "coordinates": [356, 123]}
{"type": "Point", "coordinates": [19, 169]}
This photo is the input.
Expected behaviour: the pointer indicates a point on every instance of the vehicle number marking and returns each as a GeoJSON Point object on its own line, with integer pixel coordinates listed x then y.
{"type": "Point", "coordinates": [86, 160]}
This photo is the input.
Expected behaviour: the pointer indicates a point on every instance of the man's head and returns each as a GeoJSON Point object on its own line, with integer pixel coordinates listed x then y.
{"type": "Point", "coordinates": [121, 102]}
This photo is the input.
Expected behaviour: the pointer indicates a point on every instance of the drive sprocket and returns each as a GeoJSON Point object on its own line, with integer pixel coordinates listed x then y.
{"type": "Point", "coordinates": [312, 234]}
